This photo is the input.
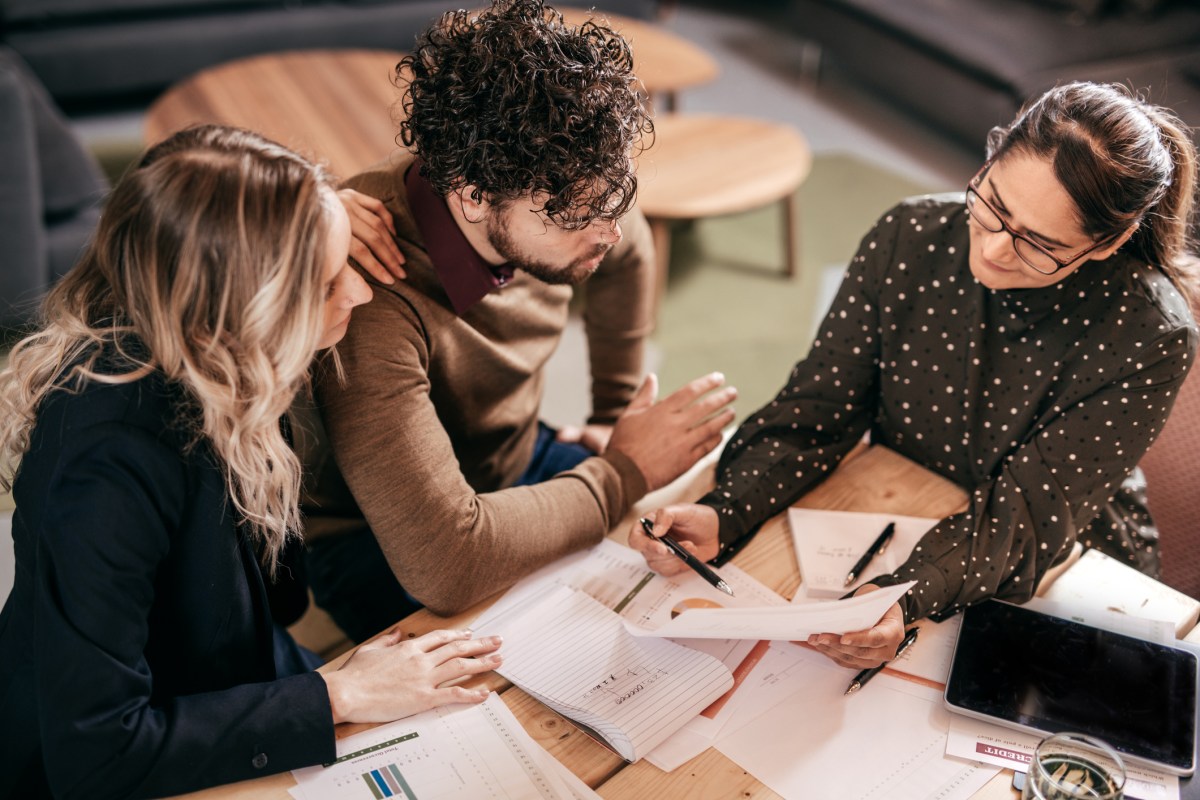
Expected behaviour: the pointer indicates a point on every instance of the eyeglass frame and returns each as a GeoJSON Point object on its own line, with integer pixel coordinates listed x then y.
{"type": "Point", "coordinates": [1006, 228]}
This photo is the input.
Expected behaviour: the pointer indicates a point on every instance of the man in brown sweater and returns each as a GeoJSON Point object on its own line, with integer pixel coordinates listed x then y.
{"type": "Point", "coordinates": [517, 185]}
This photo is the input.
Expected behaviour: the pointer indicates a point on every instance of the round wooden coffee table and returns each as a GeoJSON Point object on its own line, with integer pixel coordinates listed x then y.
{"type": "Point", "coordinates": [664, 62]}
{"type": "Point", "coordinates": [707, 165]}
{"type": "Point", "coordinates": [334, 106]}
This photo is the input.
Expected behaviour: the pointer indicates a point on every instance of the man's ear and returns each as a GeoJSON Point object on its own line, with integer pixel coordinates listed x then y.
{"type": "Point", "coordinates": [1116, 244]}
{"type": "Point", "coordinates": [464, 199]}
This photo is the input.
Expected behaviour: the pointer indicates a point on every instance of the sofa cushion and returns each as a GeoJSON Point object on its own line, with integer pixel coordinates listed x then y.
{"type": "Point", "coordinates": [42, 11]}
{"type": "Point", "coordinates": [1003, 40]}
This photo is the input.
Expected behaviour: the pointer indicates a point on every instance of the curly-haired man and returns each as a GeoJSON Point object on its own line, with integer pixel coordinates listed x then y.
{"type": "Point", "coordinates": [516, 185]}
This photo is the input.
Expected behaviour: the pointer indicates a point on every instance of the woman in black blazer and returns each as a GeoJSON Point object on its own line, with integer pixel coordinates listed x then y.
{"type": "Point", "coordinates": [156, 496]}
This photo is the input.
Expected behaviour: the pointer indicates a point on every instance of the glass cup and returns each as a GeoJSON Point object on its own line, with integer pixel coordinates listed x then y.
{"type": "Point", "coordinates": [1074, 766]}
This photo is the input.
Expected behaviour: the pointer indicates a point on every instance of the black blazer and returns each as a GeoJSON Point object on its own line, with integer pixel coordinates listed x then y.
{"type": "Point", "coordinates": [136, 653]}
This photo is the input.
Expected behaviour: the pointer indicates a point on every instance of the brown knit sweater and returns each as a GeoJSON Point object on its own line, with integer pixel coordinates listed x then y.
{"type": "Point", "coordinates": [438, 416]}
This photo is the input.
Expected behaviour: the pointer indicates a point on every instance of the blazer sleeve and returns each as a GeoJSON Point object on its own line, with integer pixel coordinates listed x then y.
{"type": "Point", "coordinates": [104, 731]}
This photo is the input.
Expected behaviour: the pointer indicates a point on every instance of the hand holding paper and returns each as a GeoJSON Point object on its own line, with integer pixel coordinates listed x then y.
{"type": "Point", "coordinates": [868, 648]}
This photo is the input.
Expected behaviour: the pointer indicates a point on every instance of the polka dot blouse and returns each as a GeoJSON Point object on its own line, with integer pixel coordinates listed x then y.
{"type": "Point", "coordinates": [1039, 402]}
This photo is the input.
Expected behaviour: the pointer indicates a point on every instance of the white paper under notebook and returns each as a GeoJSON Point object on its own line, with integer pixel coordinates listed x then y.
{"type": "Point", "coordinates": [828, 543]}
{"type": "Point", "coordinates": [1101, 582]}
{"type": "Point", "coordinates": [453, 752]}
{"type": "Point", "coordinates": [573, 654]}
{"type": "Point", "coordinates": [886, 742]}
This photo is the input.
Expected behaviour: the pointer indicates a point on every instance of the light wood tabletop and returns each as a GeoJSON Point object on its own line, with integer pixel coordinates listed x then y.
{"type": "Point", "coordinates": [874, 480]}
{"type": "Point", "coordinates": [333, 106]}
{"type": "Point", "coordinates": [663, 61]}
{"type": "Point", "coordinates": [708, 165]}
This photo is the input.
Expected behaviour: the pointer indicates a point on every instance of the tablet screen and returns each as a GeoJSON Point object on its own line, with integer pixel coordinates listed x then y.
{"type": "Point", "coordinates": [1057, 675]}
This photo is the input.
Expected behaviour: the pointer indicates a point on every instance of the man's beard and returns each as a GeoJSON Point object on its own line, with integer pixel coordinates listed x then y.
{"type": "Point", "coordinates": [572, 274]}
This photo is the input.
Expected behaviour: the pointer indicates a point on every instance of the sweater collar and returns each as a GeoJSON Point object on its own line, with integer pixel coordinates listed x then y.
{"type": "Point", "coordinates": [464, 274]}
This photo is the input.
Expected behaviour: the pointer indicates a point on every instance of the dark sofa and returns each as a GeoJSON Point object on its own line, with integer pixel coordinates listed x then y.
{"type": "Point", "coordinates": [967, 65]}
{"type": "Point", "coordinates": [91, 52]}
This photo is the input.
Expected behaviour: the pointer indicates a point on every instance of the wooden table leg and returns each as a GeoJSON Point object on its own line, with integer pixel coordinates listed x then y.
{"type": "Point", "coordinates": [791, 235]}
{"type": "Point", "coordinates": [660, 230]}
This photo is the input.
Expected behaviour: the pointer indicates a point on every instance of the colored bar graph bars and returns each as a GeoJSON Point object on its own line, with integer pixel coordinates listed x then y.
{"type": "Point", "coordinates": [388, 782]}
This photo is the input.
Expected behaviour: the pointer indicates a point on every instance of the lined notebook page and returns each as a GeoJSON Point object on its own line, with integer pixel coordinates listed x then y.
{"type": "Point", "coordinates": [576, 656]}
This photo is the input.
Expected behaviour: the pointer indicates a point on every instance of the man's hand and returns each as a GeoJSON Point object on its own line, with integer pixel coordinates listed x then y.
{"type": "Point", "coordinates": [693, 526]}
{"type": "Point", "coordinates": [593, 437]}
{"type": "Point", "coordinates": [665, 438]}
{"type": "Point", "coordinates": [864, 649]}
{"type": "Point", "coordinates": [373, 244]}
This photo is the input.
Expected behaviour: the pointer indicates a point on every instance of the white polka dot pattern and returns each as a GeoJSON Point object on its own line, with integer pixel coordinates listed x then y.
{"type": "Point", "coordinates": [1038, 401]}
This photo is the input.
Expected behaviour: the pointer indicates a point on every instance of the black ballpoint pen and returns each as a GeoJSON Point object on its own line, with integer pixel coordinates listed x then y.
{"type": "Point", "coordinates": [860, 680]}
{"type": "Point", "coordinates": [696, 564]}
{"type": "Point", "coordinates": [878, 546]}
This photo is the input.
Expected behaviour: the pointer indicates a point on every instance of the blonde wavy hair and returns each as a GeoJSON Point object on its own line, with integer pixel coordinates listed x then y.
{"type": "Point", "coordinates": [206, 267]}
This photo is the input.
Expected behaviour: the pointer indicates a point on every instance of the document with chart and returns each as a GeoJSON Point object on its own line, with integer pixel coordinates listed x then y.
{"type": "Point", "coordinates": [449, 753]}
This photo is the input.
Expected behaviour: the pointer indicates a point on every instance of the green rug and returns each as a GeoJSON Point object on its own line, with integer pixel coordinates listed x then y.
{"type": "Point", "coordinates": [728, 306]}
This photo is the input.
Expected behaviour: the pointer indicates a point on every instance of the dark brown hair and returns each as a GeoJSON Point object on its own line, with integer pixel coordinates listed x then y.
{"type": "Point", "coordinates": [1123, 161]}
{"type": "Point", "coordinates": [514, 101]}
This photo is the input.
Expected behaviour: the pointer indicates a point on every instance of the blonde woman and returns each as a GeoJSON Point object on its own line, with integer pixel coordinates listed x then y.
{"type": "Point", "coordinates": [157, 492]}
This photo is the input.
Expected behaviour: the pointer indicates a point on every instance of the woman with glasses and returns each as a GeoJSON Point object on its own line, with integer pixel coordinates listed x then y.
{"type": "Point", "coordinates": [1026, 342]}
{"type": "Point", "coordinates": [156, 527]}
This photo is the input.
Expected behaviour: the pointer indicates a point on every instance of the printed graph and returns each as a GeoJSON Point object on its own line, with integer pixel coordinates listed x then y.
{"type": "Point", "coordinates": [388, 782]}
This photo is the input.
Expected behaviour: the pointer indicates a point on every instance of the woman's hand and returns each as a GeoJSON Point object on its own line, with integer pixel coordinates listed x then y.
{"type": "Point", "coordinates": [864, 649]}
{"type": "Point", "coordinates": [392, 677]}
{"type": "Point", "coordinates": [693, 526]}
{"type": "Point", "coordinates": [373, 244]}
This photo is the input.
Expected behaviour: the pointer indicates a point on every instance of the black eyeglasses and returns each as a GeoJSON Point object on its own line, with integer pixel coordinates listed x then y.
{"type": "Point", "coordinates": [1029, 251]}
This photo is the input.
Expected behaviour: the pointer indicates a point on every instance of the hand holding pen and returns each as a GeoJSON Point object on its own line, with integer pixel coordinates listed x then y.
{"type": "Point", "coordinates": [860, 680]}
{"type": "Point", "coordinates": [877, 547]}
{"type": "Point", "coordinates": [702, 569]}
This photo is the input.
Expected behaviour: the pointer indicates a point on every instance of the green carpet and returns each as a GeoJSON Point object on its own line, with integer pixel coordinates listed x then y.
{"type": "Point", "coordinates": [728, 306]}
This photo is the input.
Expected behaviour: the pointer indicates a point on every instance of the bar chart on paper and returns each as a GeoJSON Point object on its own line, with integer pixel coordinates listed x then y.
{"type": "Point", "coordinates": [458, 752]}
{"type": "Point", "coordinates": [388, 782]}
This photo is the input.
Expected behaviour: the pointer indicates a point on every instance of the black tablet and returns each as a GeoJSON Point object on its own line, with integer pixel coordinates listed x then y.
{"type": "Point", "coordinates": [1026, 670]}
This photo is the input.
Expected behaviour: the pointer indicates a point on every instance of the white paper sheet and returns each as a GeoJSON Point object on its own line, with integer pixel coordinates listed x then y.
{"type": "Point", "coordinates": [784, 623]}
{"type": "Point", "coordinates": [829, 543]}
{"type": "Point", "coordinates": [1005, 747]}
{"type": "Point", "coordinates": [454, 752]}
{"type": "Point", "coordinates": [1087, 613]}
{"type": "Point", "coordinates": [885, 742]}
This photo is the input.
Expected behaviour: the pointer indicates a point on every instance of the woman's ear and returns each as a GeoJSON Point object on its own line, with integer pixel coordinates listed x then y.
{"type": "Point", "coordinates": [1116, 244]}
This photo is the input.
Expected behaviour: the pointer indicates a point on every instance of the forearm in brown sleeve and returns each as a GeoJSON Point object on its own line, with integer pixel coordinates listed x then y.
{"type": "Point", "coordinates": [449, 546]}
{"type": "Point", "coordinates": [618, 316]}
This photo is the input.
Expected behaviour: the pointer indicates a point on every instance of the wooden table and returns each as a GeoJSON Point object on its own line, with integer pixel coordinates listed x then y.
{"type": "Point", "coordinates": [341, 106]}
{"type": "Point", "coordinates": [876, 480]}
{"type": "Point", "coordinates": [334, 106]}
{"type": "Point", "coordinates": [664, 62]}
{"type": "Point", "coordinates": [707, 165]}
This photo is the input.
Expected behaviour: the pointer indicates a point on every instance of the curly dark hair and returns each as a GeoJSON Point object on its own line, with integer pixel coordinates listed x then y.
{"type": "Point", "coordinates": [514, 101]}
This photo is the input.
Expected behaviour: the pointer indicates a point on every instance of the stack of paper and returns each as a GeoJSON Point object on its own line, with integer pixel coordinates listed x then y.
{"type": "Point", "coordinates": [1097, 581]}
